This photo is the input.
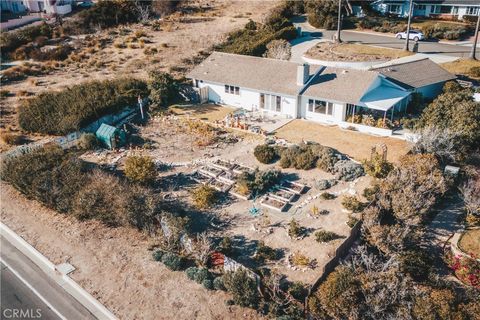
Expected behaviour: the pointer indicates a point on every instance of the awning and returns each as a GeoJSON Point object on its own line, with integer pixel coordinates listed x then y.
{"type": "Point", "coordinates": [383, 98]}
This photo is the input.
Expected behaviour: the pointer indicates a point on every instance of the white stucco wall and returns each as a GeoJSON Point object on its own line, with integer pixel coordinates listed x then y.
{"type": "Point", "coordinates": [337, 116]}
{"type": "Point", "coordinates": [248, 99]}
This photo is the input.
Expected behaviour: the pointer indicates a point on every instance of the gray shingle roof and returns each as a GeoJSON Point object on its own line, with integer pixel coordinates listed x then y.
{"type": "Point", "coordinates": [416, 74]}
{"type": "Point", "coordinates": [270, 75]}
{"type": "Point", "coordinates": [339, 84]}
{"type": "Point", "coordinates": [277, 76]}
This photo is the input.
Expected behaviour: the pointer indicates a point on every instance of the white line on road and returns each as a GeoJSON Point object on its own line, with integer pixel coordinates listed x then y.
{"type": "Point", "coordinates": [33, 290]}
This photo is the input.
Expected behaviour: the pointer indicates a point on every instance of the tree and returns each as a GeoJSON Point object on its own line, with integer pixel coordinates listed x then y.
{"type": "Point", "coordinates": [339, 295]}
{"type": "Point", "coordinates": [243, 288]}
{"type": "Point", "coordinates": [279, 49]}
{"type": "Point", "coordinates": [411, 189]}
{"type": "Point", "coordinates": [475, 41]}
{"type": "Point", "coordinates": [140, 169]}
{"type": "Point", "coordinates": [322, 13]}
{"type": "Point", "coordinates": [163, 88]}
{"type": "Point", "coordinates": [441, 142]}
{"type": "Point", "coordinates": [456, 111]}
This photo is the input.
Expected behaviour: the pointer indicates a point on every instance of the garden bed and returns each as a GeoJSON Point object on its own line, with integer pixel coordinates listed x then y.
{"type": "Point", "coordinates": [283, 194]}
{"type": "Point", "coordinates": [294, 187]}
{"type": "Point", "coordinates": [273, 203]}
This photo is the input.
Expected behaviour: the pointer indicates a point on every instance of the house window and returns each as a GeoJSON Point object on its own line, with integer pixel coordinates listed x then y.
{"type": "Point", "coordinates": [436, 9]}
{"type": "Point", "coordinates": [232, 90]}
{"type": "Point", "coordinates": [454, 10]}
{"type": "Point", "coordinates": [445, 9]}
{"type": "Point", "coordinates": [321, 107]}
{"type": "Point", "coordinates": [420, 7]}
{"type": "Point", "coordinates": [394, 8]}
{"type": "Point", "coordinates": [472, 11]}
{"type": "Point", "coordinates": [270, 102]}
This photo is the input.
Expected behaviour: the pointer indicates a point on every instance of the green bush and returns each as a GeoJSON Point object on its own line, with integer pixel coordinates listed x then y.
{"type": "Point", "coordinates": [173, 261]}
{"type": "Point", "coordinates": [68, 110]}
{"type": "Point", "coordinates": [218, 284]}
{"type": "Point", "coordinates": [265, 153]}
{"type": "Point", "coordinates": [322, 13]}
{"type": "Point", "coordinates": [352, 221]}
{"type": "Point", "coordinates": [327, 196]}
{"type": "Point", "coordinates": [191, 272]}
{"type": "Point", "coordinates": [242, 287]}
{"type": "Point", "coordinates": [202, 275]}
{"type": "Point", "coordinates": [10, 41]}
{"type": "Point", "coordinates": [294, 229]}
{"type": "Point", "coordinates": [416, 263]}
{"type": "Point", "coordinates": [204, 196]}
{"type": "Point", "coordinates": [347, 170]}
{"type": "Point", "coordinates": [163, 89]}
{"type": "Point", "coordinates": [377, 167]}
{"type": "Point", "coordinates": [157, 255]}
{"type": "Point", "coordinates": [87, 141]}
{"type": "Point", "coordinates": [298, 291]}
{"type": "Point", "coordinates": [369, 193]}
{"type": "Point", "coordinates": [259, 182]}
{"type": "Point", "coordinates": [352, 203]}
{"type": "Point", "coordinates": [208, 284]}
{"type": "Point", "coordinates": [447, 31]}
{"type": "Point", "coordinates": [325, 236]}
{"type": "Point", "coordinates": [140, 169]}
{"type": "Point", "coordinates": [265, 253]}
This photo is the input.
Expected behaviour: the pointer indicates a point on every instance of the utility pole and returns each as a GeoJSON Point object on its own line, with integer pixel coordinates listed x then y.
{"type": "Point", "coordinates": [339, 23]}
{"type": "Point", "coordinates": [475, 41]}
{"type": "Point", "coordinates": [410, 10]}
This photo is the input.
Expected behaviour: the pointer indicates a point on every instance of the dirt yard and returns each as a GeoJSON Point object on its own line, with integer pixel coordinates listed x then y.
{"type": "Point", "coordinates": [353, 52]}
{"type": "Point", "coordinates": [127, 50]}
{"type": "Point", "coordinates": [114, 265]}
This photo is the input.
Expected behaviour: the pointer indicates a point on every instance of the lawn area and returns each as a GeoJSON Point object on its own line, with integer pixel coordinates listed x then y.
{"type": "Point", "coordinates": [353, 52]}
{"type": "Point", "coordinates": [354, 144]}
{"type": "Point", "coordinates": [470, 242]}
{"type": "Point", "coordinates": [462, 66]}
{"type": "Point", "coordinates": [208, 112]}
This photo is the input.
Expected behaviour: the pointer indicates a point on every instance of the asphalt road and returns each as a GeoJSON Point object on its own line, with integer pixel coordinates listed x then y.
{"type": "Point", "coordinates": [386, 41]}
{"type": "Point", "coordinates": [26, 288]}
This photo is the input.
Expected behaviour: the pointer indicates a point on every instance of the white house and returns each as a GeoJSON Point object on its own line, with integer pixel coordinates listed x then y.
{"type": "Point", "coordinates": [323, 94]}
{"type": "Point", "coordinates": [49, 6]}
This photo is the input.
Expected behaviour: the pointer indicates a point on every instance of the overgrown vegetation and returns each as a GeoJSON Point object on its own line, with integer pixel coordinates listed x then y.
{"type": "Point", "coordinates": [70, 109]}
{"type": "Point", "coordinates": [61, 181]}
{"type": "Point", "coordinates": [204, 196]}
{"type": "Point", "coordinates": [140, 169]}
{"type": "Point", "coordinates": [254, 37]}
{"type": "Point", "coordinates": [257, 182]}
{"type": "Point", "coordinates": [265, 153]}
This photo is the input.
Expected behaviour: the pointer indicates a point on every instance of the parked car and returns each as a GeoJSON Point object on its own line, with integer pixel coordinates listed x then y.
{"type": "Point", "coordinates": [414, 35]}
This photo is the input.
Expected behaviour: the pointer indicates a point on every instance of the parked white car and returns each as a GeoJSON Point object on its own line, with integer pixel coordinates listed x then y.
{"type": "Point", "coordinates": [415, 35]}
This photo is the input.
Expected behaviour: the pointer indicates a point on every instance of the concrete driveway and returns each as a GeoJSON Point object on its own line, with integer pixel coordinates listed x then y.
{"type": "Point", "coordinates": [440, 51]}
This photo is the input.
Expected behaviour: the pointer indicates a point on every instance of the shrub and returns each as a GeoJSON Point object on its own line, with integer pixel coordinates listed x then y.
{"type": "Point", "coordinates": [294, 229]}
{"type": "Point", "coordinates": [70, 109]}
{"type": "Point", "coordinates": [208, 284]}
{"type": "Point", "coordinates": [202, 275]}
{"type": "Point", "coordinates": [322, 14]}
{"type": "Point", "coordinates": [157, 255]}
{"type": "Point", "coordinates": [11, 138]}
{"type": "Point", "coordinates": [218, 284]}
{"type": "Point", "coordinates": [308, 156]}
{"type": "Point", "coordinates": [348, 170]}
{"type": "Point", "coordinates": [258, 182]}
{"type": "Point", "coordinates": [352, 203]}
{"type": "Point", "coordinates": [300, 260]}
{"type": "Point", "coordinates": [327, 196]}
{"type": "Point", "coordinates": [4, 93]}
{"type": "Point", "coordinates": [327, 157]}
{"type": "Point", "coordinates": [265, 252]}
{"type": "Point", "coordinates": [325, 236]}
{"type": "Point", "coordinates": [226, 246]}
{"type": "Point", "coordinates": [173, 261]}
{"type": "Point", "coordinates": [242, 287]}
{"type": "Point", "coordinates": [279, 49]}
{"type": "Point", "coordinates": [87, 141]}
{"type": "Point", "coordinates": [474, 72]}
{"type": "Point", "coordinates": [352, 221]}
{"type": "Point", "coordinates": [298, 291]}
{"type": "Point", "coordinates": [369, 193]}
{"type": "Point", "coordinates": [191, 272]}
{"type": "Point", "coordinates": [416, 263]}
{"type": "Point", "coordinates": [324, 184]}
{"type": "Point", "coordinates": [265, 153]}
{"type": "Point", "coordinates": [163, 89]}
{"type": "Point", "coordinates": [204, 196]}
{"type": "Point", "coordinates": [10, 41]}
{"type": "Point", "coordinates": [140, 169]}
{"type": "Point", "coordinates": [377, 167]}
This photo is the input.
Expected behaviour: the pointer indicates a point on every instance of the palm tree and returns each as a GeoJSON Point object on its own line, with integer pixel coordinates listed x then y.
{"type": "Point", "coordinates": [474, 46]}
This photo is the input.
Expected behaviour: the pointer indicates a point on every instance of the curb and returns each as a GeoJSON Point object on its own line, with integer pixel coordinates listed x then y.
{"type": "Point", "coordinates": [70, 286]}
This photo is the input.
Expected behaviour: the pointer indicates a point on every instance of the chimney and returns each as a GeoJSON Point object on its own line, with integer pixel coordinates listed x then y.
{"type": "Point", "coordinates": [303, 73]}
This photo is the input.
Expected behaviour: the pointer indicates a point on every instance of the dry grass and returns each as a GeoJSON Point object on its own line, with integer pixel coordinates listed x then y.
{"type": "Point", "coordinates": [355, 144]}
{"type": "Point", "coordinates": [470, 242]}
{"type": "Point", "coordinates": [353, 52]}
{"type": "Point", "coordinates": [208, 112]}
{"type": "Point", "coordinates": [461, 66]}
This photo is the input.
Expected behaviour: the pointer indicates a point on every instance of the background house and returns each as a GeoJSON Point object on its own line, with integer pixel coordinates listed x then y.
{"type": "Point", "coordinates": [47, 6]}
{"type": "Point", "coordinates": [446, 9]}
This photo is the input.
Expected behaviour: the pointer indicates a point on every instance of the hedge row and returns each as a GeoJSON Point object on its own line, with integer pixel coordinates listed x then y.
{"type": "Point", "coordinates": [70, 109]}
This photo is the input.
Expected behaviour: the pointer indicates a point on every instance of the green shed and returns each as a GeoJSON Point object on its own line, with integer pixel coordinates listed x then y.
{"type": "Point", "coordinates": [110, 136]}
